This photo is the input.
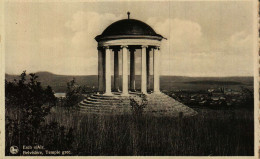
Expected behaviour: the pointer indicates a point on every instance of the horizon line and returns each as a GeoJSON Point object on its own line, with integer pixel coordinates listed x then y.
{"type": "Point", "coordinates": [128, 75]}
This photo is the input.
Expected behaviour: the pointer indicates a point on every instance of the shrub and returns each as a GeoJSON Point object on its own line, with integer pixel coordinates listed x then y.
{"type": "Point", "coordinates": [138, 104]}
{"type": "Point", "coordinates": [30, 103]}
{"type": "Point", "coordinates": [73, 94]}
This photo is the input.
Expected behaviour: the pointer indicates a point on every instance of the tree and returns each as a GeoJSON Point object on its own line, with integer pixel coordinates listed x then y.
{"type": "Point", "coordinates": [73, 94]}
{"type": "Point", "coordinates": [31, 103]}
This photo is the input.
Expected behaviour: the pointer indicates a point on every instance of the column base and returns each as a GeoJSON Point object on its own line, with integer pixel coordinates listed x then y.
{"type": "Point", "coordinates": [157, 92]}
{"type": "Point", "coordinates": [125, 94]}
{"type": "Point", "coordinates": [144, 93]}
{"type": "Point", "coordinates": [117, 90]}
{"type": "Point", "coordinates": [108, 94]}
{"type": "Point", "coordinates": [133, 90]}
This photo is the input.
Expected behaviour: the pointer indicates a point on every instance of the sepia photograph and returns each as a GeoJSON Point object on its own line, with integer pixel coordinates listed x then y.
{"type": "Point", "coordinates": [130, 78]}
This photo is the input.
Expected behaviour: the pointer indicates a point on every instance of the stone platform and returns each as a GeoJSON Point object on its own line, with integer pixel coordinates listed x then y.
{"type": "Point", "coordinates": [158, 105]}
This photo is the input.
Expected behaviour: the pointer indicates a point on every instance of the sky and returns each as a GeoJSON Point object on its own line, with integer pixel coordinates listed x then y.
{"type": "Point", "coordinates": [207, 38]}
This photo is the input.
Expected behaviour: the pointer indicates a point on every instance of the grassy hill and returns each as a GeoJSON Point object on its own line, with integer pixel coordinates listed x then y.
{"type": "Point", "coordinates": [59, 82]}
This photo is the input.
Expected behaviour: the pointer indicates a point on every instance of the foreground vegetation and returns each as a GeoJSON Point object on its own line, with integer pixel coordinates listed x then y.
{"type": "Point", "coordinates": [32, 119]}
{"type": "Point", "coordinates": [27, 105]}
{"type": "Point", "coordinates": [212, 132]}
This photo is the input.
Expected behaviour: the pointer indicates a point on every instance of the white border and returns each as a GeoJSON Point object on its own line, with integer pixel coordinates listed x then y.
{"type": "Point", "coordinates": [2, 76]}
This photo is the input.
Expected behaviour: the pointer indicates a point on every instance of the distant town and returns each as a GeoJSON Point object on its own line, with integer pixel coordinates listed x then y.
{"type": "Point", "coordinates": [215, 98]}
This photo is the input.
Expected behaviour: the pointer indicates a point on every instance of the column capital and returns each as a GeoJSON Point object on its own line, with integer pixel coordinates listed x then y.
{"type": "Point", "coordinates": [157, 47]}
{"type": "Point", "coordinates": [116, 49]}
{"type": "Point", "coordinates": [99, 48]}
{"type": "Point", "coordinates": [106, 47]}
{"type": "Point", "coordinates": [149, 49]}
{"type": "Point", "coordinates": [132, 49]}
{"type": "Point", "coordinates": [144, 46]}
{"type": "Point", "coordinates": [124, 46]}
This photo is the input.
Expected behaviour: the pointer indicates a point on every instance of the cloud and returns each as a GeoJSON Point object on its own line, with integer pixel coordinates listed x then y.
{"type": "Point", "coordinates": [187, 51]}
{"type": "Point", "coordinates": [194, 46]}
{"type": "Point", "coordinates": [72, 53]}
{"type": "Point", "coordinates": [86, 26]}
{"type": "Point", "coordinates": [182, 35]}
{"type": "Point", "coordinates": [241, 43]}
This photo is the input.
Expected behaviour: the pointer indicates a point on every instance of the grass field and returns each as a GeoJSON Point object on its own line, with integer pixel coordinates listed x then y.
{"type": "Point", "coordinates": [212, 132]}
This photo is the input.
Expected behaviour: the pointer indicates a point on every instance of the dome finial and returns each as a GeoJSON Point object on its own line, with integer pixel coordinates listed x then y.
{"type": "Point", "coordinates": [128, 14]}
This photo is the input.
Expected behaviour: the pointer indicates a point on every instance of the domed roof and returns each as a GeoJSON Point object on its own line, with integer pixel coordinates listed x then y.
{"type": "Point", "coordinates": [128, 27]}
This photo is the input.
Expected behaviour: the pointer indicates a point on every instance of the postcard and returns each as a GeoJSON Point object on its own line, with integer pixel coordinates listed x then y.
{"type": "Point", "coordinates": [91, 79]}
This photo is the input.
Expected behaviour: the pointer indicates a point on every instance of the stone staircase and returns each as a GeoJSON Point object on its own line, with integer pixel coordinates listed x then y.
{"type": "Point", "coordinates": [104, 104]}
{"type": "Point", "coordinates": [158, 105]}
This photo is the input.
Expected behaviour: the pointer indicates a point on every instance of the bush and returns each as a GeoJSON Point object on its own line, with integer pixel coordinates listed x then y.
{"type": "Point", "coordinates": [138, 104]}
{"type": "Point", "coordinates": [30, 103]}
{"type": "Point", "coordinates": [73, 94]}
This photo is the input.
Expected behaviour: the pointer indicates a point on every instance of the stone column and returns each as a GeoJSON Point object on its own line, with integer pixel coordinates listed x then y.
{"type": "Point", "coordinates": [148, 67]}
{"type": "Point", "coordinates": [108, 72]}
{"type": "Point", "coordinates": [144, 74]}
{"type": "Point", "coordinates": [116, 70]}
{"type": "Point", "coordinates": [132, 69]}
{"type": "Point", "coordinates": [104, 69]}
{"type": "Point", "coordinates": [100, 70]}
{"type": "Point", "coordinates": [124, 71]}
{"type": "Point", "coordinates": [156, 72]}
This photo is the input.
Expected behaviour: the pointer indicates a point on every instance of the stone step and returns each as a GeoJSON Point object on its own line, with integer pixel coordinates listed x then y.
{"type": "Point", "coordinates": [100, 99]}
{"type": "Point", "coordinates": [87, 104]}
{"type": "Point", "coordinates": [104, 113]}
{"type": "Point", "coordinates": [91, 99]}
{"type": "Point", "coordinates": [91, 102]}
{"type": "Point", "coordinates": [115, 96]}
{"type": "Point", "coordinates": [104, 105]}
{"type": "Point", "coordinates": [112, 101]}
{"type": "Point", "coordinates": [107, 102]}
{"type": "Point", "coordinates": [95, 108]}
{"type": "Point", "coordinates": [92, 109]}
{"type": "Point", "coordinates": [105, 110]}
{"type": "Point", "coordinates": [105, 97]}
